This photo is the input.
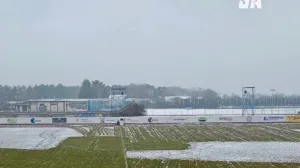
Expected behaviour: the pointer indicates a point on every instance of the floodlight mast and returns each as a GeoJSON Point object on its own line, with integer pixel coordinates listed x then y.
{"type": "Point", "coordinates": [115, 91]}
{"type": "Point", "coordinates": [248, 96]}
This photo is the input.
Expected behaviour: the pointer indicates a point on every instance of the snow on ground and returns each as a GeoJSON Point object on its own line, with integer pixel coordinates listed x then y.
{"type": "Point", "coordinates": [297, 130]}
{"type": "Point", "coordinates": [152, 112]}
{"type": "Point", "coordinates": [87, 129]}
{"type": "Point", "coordinates": [228, 151]}
{"type": "Point", "coordinates": [34, 138]}
{"type": "Point", "coordinates": [110, 131]}
{"type": "Point", "coordinates": [98, 131]}
{"type": "Point", "coordinates": [105, 131]}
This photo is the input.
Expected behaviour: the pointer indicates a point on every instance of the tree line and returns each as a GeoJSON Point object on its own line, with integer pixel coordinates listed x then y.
{"type": "Point", "coordinates": [198, 97]}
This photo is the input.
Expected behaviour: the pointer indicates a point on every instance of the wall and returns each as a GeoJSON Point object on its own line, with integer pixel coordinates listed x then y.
{"type": "Point", "coordinates": [53, 107]}
{"type": "Point", "coordinates": [47, 104]}
{"type": "Point", "coordinates": [154, 120]}
{"type": "Point", "coordinates": [83, 120]}
{"type": "Point", "coordinates": [34, 120]}
{"type": "Point", "coordinates": [293, 119]}
{"type": "Point", "coordinates": [50, 106]}
{"type": "Point", "coordinates": [111, 120]}
{"type": "Point", "coordinates": [61, 106]}
{"type": "Point", "coordinates": [33, 107]}
{"type": "Point", "coordinates": [194, 119]}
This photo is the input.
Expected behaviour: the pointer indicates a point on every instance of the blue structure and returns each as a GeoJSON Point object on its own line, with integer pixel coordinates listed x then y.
{"type": "Point", "coordinates": [88, 115]}
{"type": "Point", "coordinates": [115, 102]}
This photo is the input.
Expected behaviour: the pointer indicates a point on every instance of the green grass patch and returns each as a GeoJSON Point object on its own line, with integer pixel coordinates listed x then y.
{"type": "Point", "coordinates": [87, 152]}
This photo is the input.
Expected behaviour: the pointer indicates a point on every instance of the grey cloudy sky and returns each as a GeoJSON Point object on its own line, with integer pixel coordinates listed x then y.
{"type": "Point", "coordinates": [188, 43]}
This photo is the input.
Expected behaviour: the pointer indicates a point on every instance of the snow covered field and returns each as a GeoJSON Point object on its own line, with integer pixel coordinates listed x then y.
{"type": "Point", "coordinates": [228, 151]}
{"type": "Point", "coordinates": [152, 112]}
{"type": "Point", "coordinates": [297, 130]}
{"type": "Point", "coordinates": [96, 130]}
{"type": "Point", "coordinates": [34, 138]}
{"type": "Point", "coordinates": [105, 131]}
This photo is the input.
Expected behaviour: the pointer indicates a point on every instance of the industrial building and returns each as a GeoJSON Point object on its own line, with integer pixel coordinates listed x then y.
{"type": "Point", "coordinates": [48, 105]}
{"type": "Point", "coordinates": [113, 103]}
{"type": "Point", "coordinates": [54, 105]}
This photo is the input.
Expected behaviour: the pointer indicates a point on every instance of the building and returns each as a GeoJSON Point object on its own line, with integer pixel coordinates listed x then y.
{"type": "Point", "coordinates": [113, 103]}
{"type": "Point", "coordinates": [18, 106]}
{"type": "Point", "coordinates": [54, 105]}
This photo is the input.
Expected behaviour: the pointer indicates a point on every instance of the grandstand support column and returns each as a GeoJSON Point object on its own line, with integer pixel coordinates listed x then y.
{"type": "Point", "coordinates": [248, 97]}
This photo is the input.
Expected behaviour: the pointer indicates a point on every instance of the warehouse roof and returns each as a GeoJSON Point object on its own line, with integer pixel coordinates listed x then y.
{"type": "Point", "coordinates": [58, 100]}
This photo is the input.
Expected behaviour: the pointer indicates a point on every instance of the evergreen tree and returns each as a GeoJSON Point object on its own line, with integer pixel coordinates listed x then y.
{"type": "Point", "coordinates": [86, 90]}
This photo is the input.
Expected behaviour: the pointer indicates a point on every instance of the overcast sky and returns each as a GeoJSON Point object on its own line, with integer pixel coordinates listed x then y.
{"type": "Point", "coordinates": [188, 43]}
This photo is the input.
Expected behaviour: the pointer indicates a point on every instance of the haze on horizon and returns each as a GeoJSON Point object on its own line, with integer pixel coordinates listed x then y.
{"type": "Point", "coordinates": [193, 43]}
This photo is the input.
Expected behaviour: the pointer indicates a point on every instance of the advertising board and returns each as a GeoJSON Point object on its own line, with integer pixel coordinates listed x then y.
{"type": "Point", "coordinates": [110, 120]}
{"type": "Point", "coordinates": [179, 120]}
{"type": "Point", "coordinates": [165, 119]}
{"type": "Point", "coordinates": [11, 120]}
{"type": "Point", "coordinates": [202, 119]}
{"type": "Point", "coordinates": [26, 120]}
{"type": "Point", "coordinates": [88, 115]}
{"type": "Point", "coordinates": [216, 119]}
{"type": "Point", "coordinates": [153, 120]}
{"type": "Point", "coordinates": [273, 118]}
{"type": "Point", "coordinates": [225, 119]}
{"type": "Point", "coordinates": [59, 120]}
{"type": "Point", "coordinates": [136, 120]}
{"type": "Point", "coordinates": [293, 118]}
{"type": "Point", "coordinates": [84, 120]}
{"type": "Point", "coordinates": [251, 119]}
{"type": "Point", "coordinates": [39, 120]}
{"type": "Point", "coordinates": [133, 120]}
{"type": "Point", "coordinates": [235, 119]}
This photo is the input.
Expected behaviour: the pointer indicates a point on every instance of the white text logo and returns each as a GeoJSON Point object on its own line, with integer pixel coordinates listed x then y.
{"type": "Point", "coordinates": [246, 4]}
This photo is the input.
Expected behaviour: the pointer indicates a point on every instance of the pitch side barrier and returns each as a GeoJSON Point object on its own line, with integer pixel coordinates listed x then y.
{"type": "Point", "coordinates": [153, 120]}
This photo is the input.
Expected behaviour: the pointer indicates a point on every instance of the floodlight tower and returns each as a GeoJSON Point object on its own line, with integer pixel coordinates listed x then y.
{"type": "Point", "coordinates": [117, 95]}
{"type": "Point", "coordinates": [248, 96]}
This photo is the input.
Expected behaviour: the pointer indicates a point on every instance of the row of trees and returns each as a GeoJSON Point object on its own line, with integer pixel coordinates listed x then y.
{"type": "Point", "coordinates": [18, 93]}
{"type": "Point", "coordinates": [93, 89]}
{"type": "Point", "coordinates": [200, 98]}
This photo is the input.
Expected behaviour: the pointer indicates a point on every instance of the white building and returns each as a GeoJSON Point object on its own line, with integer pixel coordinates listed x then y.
{"type": "Point", "coordinates": [53, 105]}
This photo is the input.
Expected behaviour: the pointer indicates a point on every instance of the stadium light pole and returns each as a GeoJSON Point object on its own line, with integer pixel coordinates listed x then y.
{"type": "Point", "coordinates": [205, 105]}
{"type": "Point", "coordinates": [272, 99]}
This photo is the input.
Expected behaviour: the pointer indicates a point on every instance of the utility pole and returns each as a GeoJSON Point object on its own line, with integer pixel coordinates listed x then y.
{"type": "Point", "coordinates": [272, 99]}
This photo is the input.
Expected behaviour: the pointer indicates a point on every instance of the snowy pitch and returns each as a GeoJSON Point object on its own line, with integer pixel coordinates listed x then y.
{"type": "Point", "coordinates": [228, 151]}
{"type": "Point", "coordinates": [34, 138]}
